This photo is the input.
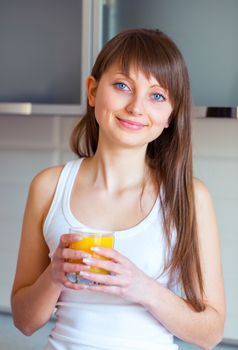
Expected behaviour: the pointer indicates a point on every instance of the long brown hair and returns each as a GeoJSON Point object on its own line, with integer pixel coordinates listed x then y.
{"type": "Point", "coordinates": [169, 156]}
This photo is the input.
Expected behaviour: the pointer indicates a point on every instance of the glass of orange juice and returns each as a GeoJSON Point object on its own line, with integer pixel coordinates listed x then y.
{"type": "Point", "coordinates": [88, 240]}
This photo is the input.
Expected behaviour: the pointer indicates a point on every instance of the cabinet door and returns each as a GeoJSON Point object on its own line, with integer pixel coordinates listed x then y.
{"type": "Point", "coordinates": [45, 52]}
{"type": "Point", "coordinates": [205, 31]}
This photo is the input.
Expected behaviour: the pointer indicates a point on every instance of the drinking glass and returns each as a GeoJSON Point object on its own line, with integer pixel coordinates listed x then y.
{"type": "Point", "coordinates": [88, 240]}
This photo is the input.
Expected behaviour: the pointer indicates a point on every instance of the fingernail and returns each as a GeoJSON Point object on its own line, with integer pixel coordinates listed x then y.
{"type": "Point", "coordinates": [95, 249]}
{"type": "Point", "coordinates": [83, 273]}
{"type": "Point", "coordinates": [86, 260]}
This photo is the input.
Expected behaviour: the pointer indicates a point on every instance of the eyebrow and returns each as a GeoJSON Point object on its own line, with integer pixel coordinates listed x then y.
{"type": "Point", "coordinates": [164, 91]}
{"type": "Point", "coordinates": [123, 73]}
{"type": "Point", "coordinates": [152, 86]}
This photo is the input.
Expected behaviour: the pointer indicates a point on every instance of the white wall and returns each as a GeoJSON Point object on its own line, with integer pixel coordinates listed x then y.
{"type": "Point", "coordinates": [29, 144]}
{"type": "Point", "coordinates": [216, 162]}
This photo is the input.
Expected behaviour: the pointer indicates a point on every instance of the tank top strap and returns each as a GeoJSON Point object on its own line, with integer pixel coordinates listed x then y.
{"type": "Point", "coordinates": [68, 187]}
{"type": "Point", "coordinates": [63, 187]}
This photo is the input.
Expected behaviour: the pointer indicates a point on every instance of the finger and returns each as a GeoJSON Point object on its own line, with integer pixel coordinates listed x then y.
{"type": "Point", "coordinates": [73, 254]}
{"type": "Point", "coordinates": [110, 253]}
{"type": "Point", "coordinates": [68, 238]}
{"type": "Point", "coordinates": [71, 267]}
{"type": "Point", "coordinates": [67, 253]}
{"type": "Point", "coordinates": [76, 286]}
{"type": "Point", "coordinates": [111, 280]}
{"type": "Point", "coordinates": [107, 265]}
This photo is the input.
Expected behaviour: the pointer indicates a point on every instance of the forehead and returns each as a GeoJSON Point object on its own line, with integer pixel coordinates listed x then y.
{"type": "Point", "coordinates": [132, 72]}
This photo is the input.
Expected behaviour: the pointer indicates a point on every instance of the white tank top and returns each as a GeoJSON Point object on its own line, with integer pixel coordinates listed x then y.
{"type": "Point", "coordinates": [87, 320]}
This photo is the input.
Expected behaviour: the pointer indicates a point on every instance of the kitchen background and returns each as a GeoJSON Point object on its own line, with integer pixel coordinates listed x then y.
{"type": "Point", "coordinates": [47, 49]}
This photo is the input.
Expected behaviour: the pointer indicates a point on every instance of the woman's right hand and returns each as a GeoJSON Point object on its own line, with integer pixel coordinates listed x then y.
{"type": "Point", "coordinates": [61, 260]}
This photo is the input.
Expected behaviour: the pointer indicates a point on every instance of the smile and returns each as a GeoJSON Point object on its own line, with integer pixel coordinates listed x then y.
{"type": "Point", "coordinates": [129, 124]}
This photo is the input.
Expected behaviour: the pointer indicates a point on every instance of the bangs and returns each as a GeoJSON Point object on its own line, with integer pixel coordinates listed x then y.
{"type": "Point", "coordinates": [151, 52]}
{"type": "Point", "coordinates": [145, 57]}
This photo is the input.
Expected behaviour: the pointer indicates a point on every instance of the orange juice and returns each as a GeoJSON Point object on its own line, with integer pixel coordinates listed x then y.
{"type": "Point", "coordinates": [90, 240]}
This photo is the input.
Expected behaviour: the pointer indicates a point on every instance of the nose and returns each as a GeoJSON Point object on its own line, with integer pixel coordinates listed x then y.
{"type": "Point", "coordinates": [135, 106]}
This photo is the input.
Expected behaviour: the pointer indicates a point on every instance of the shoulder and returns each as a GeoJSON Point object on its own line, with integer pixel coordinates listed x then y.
{"type": "Point", "coordinates": [47, 179]}
{"type": "Point", "coordinates": [201, 193]}
{"type": "Point", "coordinates": [42, 189]}
{"type": "Point", "coordinates": [205, 211]}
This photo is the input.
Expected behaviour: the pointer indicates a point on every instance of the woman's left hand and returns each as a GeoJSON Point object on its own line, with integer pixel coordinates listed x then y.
{"type": "Point", "coordinates": [125, 279]}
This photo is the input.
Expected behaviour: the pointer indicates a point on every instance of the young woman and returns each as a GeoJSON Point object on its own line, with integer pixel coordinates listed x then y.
{"type": "Point", "coordinates": [133, 176]}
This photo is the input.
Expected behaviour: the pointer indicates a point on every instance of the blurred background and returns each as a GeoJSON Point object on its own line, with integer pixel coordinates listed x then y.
{"type": "Point", "coordinates": [47, 50]}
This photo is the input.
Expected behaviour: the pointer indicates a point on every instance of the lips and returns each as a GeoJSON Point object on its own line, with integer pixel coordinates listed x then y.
{"type": "Point", "coordinates": [131, 124]}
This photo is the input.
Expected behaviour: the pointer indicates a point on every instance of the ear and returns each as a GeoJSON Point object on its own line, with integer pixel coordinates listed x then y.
{"type": "Point", "coordinates": [91, 90]}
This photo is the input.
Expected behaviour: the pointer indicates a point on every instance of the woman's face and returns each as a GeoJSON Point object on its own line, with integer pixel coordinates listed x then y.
{"type": "Point", "coordinates": [131, 110]}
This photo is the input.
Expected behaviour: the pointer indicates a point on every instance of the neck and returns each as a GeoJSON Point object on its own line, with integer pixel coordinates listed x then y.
{"type": "Point", "coordinates": [117, 170]}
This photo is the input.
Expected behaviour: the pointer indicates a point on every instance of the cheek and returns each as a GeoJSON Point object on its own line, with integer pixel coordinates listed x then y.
{"type": "Point", "coordinates": [166, 116]}
{"type": "Point", "coordinates": [102, 108]}
{"type": "Point", "coordinates": [166, 121]}
{"type": "Point", "coordinates": [161, 118]}
{"type": "Point", "coordinates": [105, 104]}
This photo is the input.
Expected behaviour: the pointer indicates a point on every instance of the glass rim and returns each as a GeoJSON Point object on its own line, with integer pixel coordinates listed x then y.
{"type": "Point", "coordinates": [90, 232]}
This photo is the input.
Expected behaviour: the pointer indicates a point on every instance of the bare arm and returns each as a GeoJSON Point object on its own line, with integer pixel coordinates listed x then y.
{"type": "Point", "coordinates": [205, 328]}
{"type": "Point", "coordinates": [39, 281]}
{"type": "Point", "coordinates": [35, 293]}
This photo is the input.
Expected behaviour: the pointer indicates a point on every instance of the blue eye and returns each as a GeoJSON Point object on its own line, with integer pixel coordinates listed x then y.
{"type": "Point", "coordinates": [122, 86]}
{"type": "Point", "coordinates": [158, 97]}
